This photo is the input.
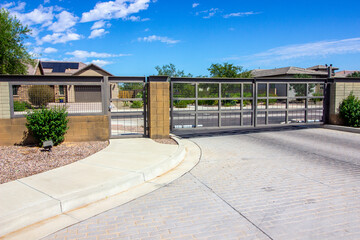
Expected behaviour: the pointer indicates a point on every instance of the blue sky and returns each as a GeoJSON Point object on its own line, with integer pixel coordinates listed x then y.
{"type": "Point", "coordinates": [131, 37]}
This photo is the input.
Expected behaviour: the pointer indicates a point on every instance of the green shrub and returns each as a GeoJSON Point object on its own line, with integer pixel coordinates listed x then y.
{"type": "Point", "coordinates": [315, 100]}
{"type": "Point", "coordinates": [46, 124]}
{"type": "Point", "coordinates": [21, 106]}
{"type": "Point", "coordinates": [349, 110]}
{"type": "Point", "coordinates": [208, 102]}
{"type": "Point", "coordinates": [136, 104]}
{"type": "Point", "coordinates": [229, 103]}
{"type": "Point", "coordinates": [41, 95]}
{"type": "Point", "coordinates": [271, 101]}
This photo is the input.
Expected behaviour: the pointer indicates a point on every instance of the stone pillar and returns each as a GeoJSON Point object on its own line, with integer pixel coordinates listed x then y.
{"type": "Point", "coordinates": [159, 107]}
{"type": "Point", "coordinates": [4, 101]}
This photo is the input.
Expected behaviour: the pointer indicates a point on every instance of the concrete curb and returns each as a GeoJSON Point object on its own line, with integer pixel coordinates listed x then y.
{"type": "Point", "coordinates": [42, 207]}
{"type": "Point", "coordinates": [342, 128]}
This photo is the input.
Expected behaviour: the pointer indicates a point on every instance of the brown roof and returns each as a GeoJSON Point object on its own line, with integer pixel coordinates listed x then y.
{"type": "Point", "coordinates": [345, 73]}
{"type": "Point", "coordinates": [91, 65]}
{"type": "Point", "coordinates": [31, 69]}
{"type": "Point", "coordinates": [286, 71]}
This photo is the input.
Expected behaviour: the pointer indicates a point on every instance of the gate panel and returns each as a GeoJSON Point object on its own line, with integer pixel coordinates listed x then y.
{"type": "Point", "coordinates": [200, 104]}
{"type": "Point", "coordinates": [127, 107]}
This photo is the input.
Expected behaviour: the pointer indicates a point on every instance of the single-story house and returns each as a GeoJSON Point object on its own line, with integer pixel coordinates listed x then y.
{"type": "Point", "coordinates": [68, 93]}
{"type": "Point", "coordinates": [318, 71]}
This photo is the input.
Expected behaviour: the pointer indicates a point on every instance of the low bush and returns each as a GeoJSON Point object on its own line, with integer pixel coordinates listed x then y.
{"type": "Point", "coordinates": [21, 106]}
{"type": "Point", "coordinates": [349, 111]}
{"type": "Point", "coordinates": [136, 104]}
{"type": "Point", "coordinates": [48, 124]}
{"type": "Point", "coordinates": [41, 95]}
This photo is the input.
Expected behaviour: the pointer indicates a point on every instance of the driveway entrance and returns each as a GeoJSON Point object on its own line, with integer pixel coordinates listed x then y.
{"type": "Point", "coordinates": [288, 184]}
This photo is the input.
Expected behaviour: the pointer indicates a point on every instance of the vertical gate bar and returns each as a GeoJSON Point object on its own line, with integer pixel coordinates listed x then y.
{"type": "Point", "coordinates": [219, 105]}
{"type": "Point", "coordinates": [105, 92]}
{"type": "Point", "coordinates": [145, 103]}
{"type": "Point", "coordinates": [287, 104]}
{"type": "Point", "coordinates": [326, 101]}
{"type": "Point", "coordinates": [267, 103]}
{"type": "Point", "coordinates": [171, 106]}
{"type": "Point", "coordinates": [255, 92]}
{"type": "Point", "coordinates": [11, 96]}
{"type": "Point", "coordinates": [196, 104]}
{"type": "Point", "coordinates": [241, 104]}
{"type": "Point", "coordinates": [306, 102]}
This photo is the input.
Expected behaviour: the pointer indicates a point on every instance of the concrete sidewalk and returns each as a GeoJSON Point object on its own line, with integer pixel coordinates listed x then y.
{"type": "Point", "coordinates": [124, 164]}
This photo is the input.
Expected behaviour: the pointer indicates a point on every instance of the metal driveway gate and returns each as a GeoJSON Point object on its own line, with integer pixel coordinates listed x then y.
{"type": "Point", "coordinates": [127, 106]}
{"type": "Point", "coordinates": [237, 103]}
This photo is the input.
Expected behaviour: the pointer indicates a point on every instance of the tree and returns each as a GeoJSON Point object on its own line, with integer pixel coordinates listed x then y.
{"type": "Point", "coordinates": [228, 70]}
{"type": "Point", "coordinates": [300, 89]}
{"type": "Point", "coordinates": [354, 75]}
{"type": "Point", "coordinates": [13, 53]}
{"type": "Point", "coordinates": [171, 71]}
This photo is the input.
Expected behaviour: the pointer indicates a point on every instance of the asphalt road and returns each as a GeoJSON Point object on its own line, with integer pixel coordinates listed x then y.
{"type": "Point", "coordinates": [293, 184]}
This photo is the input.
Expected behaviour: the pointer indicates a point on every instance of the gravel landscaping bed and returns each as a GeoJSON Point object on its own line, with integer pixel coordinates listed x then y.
{"type": "Point", "coordinates": [18, 161]}
{"type": "Point", "coordinates": [166, 141]}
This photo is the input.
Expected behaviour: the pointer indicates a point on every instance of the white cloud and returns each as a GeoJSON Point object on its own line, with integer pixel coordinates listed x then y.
{"type": "Point", "coordinates": [208, 13]}
{"type": "Point", "coordinates": [100, 62]}
{"type": "Point", "coordinates": [65, 20]}
{"type": "Point", "coordinates": [147, 29]}
{"type": "Point", "coordinates": [240, 14]}
{"type": "Point", "coordinates": [158, 38]}
{"type": "Point", "coordinates": [41, 15]}
{"type": "Point", "coordinates": [46, 1]}
{"type": "Point", "coordinates": [194, 5]}
{"type": "Point", "coordinates": [80, 54]}
{"type": "Point", "coordinates": [98, 33]}
{"type": "Point", "coordinates": [98, 24]}
{"type": "Point", "coordinates": [115, 9]}
{"type": "Point", "coordinates": [60, 38]}
{"type": "Point", "coordinates": [50, 50]}
{"type": "Point", "coordinates": [136, 19]}
{"type": "Point", "coordinates": [7, 5]}
{"type": "Point", "coordinates": [323, 48]}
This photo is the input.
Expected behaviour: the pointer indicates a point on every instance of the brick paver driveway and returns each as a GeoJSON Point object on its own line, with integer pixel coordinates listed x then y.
{"type": "Point", "coordinates": [302, 184]}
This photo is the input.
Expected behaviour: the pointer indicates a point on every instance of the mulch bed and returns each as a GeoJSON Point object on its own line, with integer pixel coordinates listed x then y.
{"type": "Point", "coordinates": [18, 161]}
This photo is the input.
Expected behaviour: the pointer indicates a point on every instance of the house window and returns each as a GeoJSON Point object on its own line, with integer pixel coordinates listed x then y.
{"type": "Point", "coordinates": [16, 90]}
{"type": "Point", "coordinates": [61, 90]}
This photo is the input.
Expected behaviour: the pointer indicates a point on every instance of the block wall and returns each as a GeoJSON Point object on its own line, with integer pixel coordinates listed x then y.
{"type": "Point", "coordinates": [340, 91]}
{"type": "Point", "coordinates": [4, 101]}
{"type": "Point", "coordinates": [158, 107]}
{"type": "Point", "coordinates": [81, 128]}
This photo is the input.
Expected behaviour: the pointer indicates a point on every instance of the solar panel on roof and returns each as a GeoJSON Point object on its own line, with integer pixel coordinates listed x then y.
{"type": "Point", "coordinates": [59, 67]}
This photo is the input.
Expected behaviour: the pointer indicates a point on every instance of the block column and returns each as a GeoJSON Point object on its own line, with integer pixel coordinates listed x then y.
{"type": "Point", "coordinates": [4, 101]}
{"type": "Point", "coordinates": [159, 107]}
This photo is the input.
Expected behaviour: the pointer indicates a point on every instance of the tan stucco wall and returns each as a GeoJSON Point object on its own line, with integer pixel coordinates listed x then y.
{"type": "Point", "coordinates": [340, 91]}
{"type": "Point", "coordinates": [4, 100]}
{"type": "Point", "coordinates": [81, 128]}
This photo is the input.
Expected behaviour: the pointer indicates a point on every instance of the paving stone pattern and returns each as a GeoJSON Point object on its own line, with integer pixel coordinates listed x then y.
{"type": "Point", "coordinates": [301, 184]}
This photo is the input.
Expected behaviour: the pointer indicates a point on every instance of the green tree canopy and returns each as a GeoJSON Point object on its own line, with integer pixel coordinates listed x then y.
{"type": "Point", "coordinates": [228, 70]}
{"type": "Point", "coordinates": [171, 71]}
{"type": "Point", "coordinates": [354, 75]}
{"type": "Point", "coordinates": [13, 53]}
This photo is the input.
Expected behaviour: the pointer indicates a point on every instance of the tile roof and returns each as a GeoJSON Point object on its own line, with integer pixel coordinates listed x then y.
{"type": "Point", "coordinates": [286, 71]}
